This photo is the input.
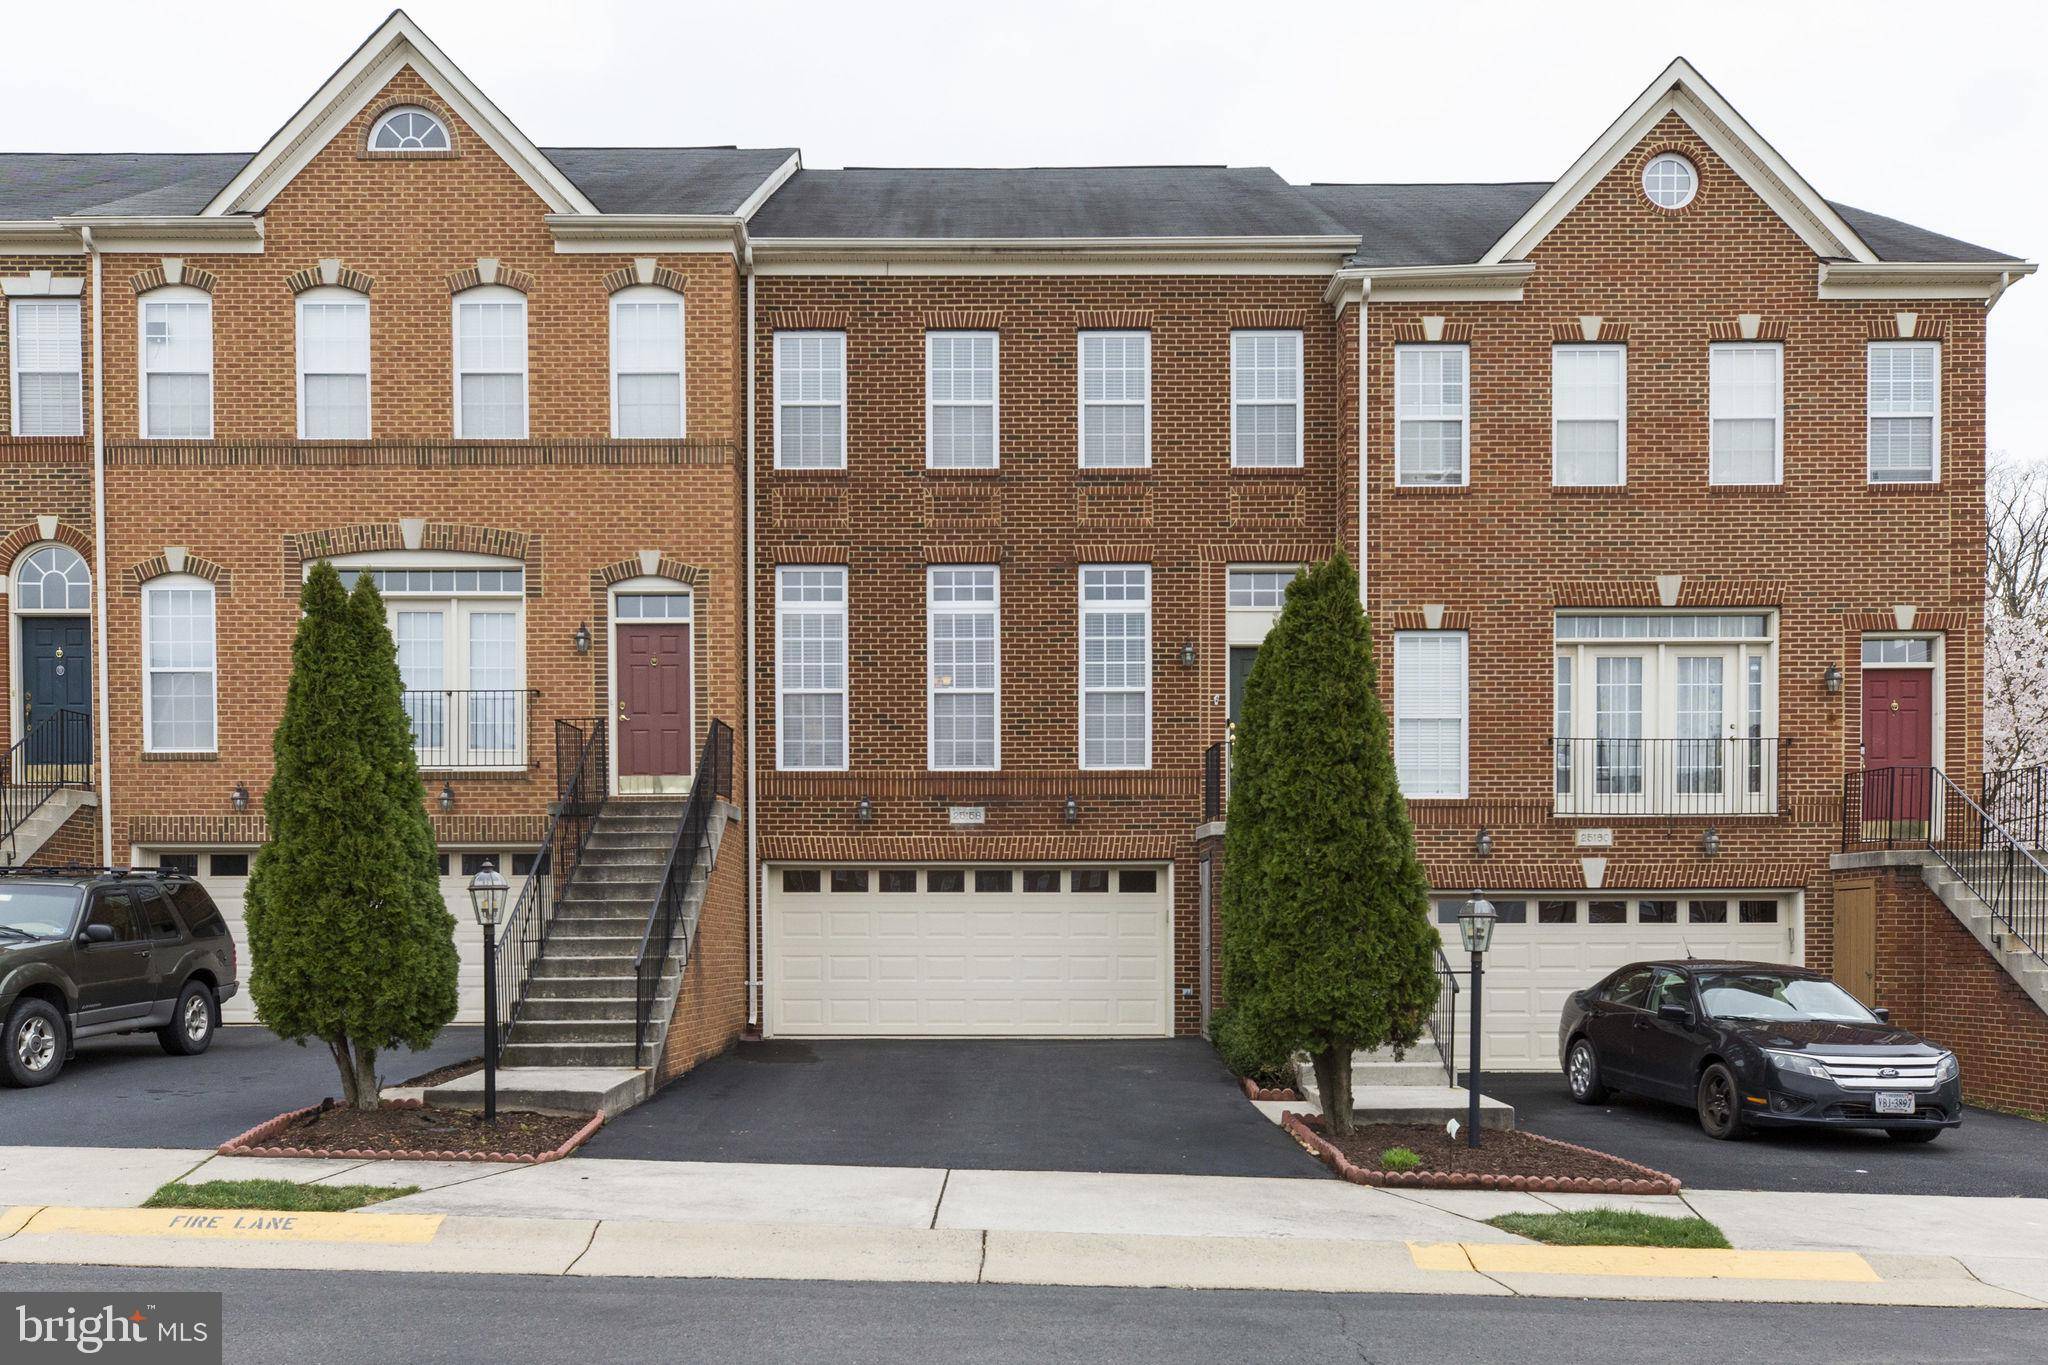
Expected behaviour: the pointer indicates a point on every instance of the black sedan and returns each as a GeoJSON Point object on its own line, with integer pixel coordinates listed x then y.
{"type": "Point", "coordinates": [1748, 1044]}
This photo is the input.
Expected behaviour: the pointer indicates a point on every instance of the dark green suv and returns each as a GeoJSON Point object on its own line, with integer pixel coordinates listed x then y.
{"type": "Point", "coordinates": [88, 952]}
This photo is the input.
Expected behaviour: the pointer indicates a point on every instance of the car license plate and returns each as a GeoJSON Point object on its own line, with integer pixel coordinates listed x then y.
{"type": "Point", "coordinates": [1891, 1102]}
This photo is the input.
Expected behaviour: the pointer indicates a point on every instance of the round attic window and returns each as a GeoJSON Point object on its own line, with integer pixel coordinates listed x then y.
{"type": "Point", "coordinates": [1670, 181]}
{"type": "Point", "coordinates": [409, 130]}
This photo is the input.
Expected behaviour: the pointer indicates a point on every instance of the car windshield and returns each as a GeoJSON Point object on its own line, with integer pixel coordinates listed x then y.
{"type": "Point", "coordinates": [37, 911]}
{"type": "Point", "coordinates": [1768, 995]}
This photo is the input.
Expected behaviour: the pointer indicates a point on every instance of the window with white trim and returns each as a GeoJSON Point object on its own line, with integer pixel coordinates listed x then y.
{"type": "Point", "coordinates": [1746, 412]}
{"type": "Point", "coordinates": [1589, 416]}
{"type": "Point", "coordinates": [1253, 597]}
{"type": "Point", "coordinates": [490, 364]}
{"type": "Point", "coordinates": [810, 667]}
{"type": "Point", "coordinates": [1430, 712]}
{"type": "Point", "coordinates": [960, 400]}
{"type": "Point", "coordinates": [43, 349]}
{"type": "Point", "coordinates": [1905, 411]}
{"type": "Point", "coordinates": [1265, 399]}
{"type": "Point", "coordinates": [647, 363]}
{"type": "Point", "coordinates": [177, 363]}
{"type": "Point", "coordinates": [334, 365]}
{"type": "Point", "coordinates": [178, 683]}
{"type": "Point", "coordinates": [1116, 666]}
{"type": "Point", "coordinates": [408, 130]}
{"type": "Point", "coordinates": [962, 645]}
{"type": "Point", "coordinates": [1116, 400]}
{"type": "Point", "coordinates": [810, 400]}
{"type": "Point", "coordinates": [1432, 402]}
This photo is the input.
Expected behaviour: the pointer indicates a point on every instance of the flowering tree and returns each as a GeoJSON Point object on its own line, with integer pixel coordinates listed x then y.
{"type": "Point", "coordinates": [2016, 616]}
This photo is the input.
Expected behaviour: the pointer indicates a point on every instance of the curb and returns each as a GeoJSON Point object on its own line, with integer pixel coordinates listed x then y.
{"type": "Point", "coordinates": [251, 1143]}
{"type": "Point", "coordinates": [1259, 1092]}
{"type": "Point", "coordinates": [1653, 1181]}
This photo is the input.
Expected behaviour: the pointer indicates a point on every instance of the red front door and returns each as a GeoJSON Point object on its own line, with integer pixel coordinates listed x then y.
{"type": "Point", "coordinates": [1898, 742]}
{"type": "Point", "coordinates": [654, 699]}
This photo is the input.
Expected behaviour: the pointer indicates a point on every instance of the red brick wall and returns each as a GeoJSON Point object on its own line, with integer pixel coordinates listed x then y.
{"type": "Point", "coordinates": [711, 1007]}
{"type": "Point", "coordinates": [77, 841]}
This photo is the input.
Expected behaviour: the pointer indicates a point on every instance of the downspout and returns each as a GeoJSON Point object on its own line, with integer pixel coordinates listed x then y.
{"type": "Point", "coordinates": [1364, 479]}
{"type": "Point", "coordinates": [753, 719]}
{"type": "Point", "coordinates": [99, 551]}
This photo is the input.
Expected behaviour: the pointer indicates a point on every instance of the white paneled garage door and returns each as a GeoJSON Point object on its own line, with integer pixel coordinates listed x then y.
{"type": "Point", "coordinates": [1028, 951]}
{"type": "Point", "coordinates": [225, 875]}
{"type": "Point", "coordinates": [1546, 948]}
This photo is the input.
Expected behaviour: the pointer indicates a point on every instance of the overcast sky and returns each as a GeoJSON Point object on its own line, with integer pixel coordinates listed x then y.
{"type": "Point", "coordinates": [1942, 123]}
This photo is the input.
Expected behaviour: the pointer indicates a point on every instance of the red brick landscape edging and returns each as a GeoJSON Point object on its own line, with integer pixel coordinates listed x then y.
{"type": "Point", "coordinates": [248, 1143]}
{"type": "Point", "coordinates": [1657, 1182]}
{"type": "Point", "coordinates": [1254, 1091]}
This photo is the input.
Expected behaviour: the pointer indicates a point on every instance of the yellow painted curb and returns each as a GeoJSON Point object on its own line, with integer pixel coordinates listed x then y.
{"type": "Point", "coordinates": [13, 1219]}
{"type": "Point", "coordinates": [1681, 1263]}
{"type": "Point", "coordinates": [250, 1225]}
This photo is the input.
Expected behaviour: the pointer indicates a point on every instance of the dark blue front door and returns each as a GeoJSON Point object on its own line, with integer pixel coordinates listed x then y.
{"type": "Point", "coordinates": [56, 676]}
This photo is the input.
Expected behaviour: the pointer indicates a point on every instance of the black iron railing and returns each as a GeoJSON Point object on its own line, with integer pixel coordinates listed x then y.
{"type": "Point", "coordinates": [1736, 775]}
{"type": "Point", "coordinates": [582, 775]}
{"type": "Point", "coordinates": [469, 728]}
{"type": "Point", "coordinates": [1215, 781]}
{"type": "Point", "coordinates": [1888, 808]}
{"type": "Point", "coordinates": [666, 916]}
{"type": "Point", "coordinates": [55, 753]}
{"type": "Point", "coordinates": [1443, 1020]}
{"type": "Point", "coordinates": [2018, 799]}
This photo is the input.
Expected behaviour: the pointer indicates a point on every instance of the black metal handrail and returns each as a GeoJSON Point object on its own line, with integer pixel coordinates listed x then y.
{"type": "Point", "coordinates": [1443, 1020]}
{"type": "Point", "coordinates": [457, 727]}
{"type": "Point", "coordinates": [2018, 799]}
{"type": "Point", "coordinates": [582, 775]}
{"type": "Point", "coordinates": [713, 781]}
{"type": "Point", "coordinates": [1732, 775]}
{"type": "Point", "coordinates": [1887, 807]}
{"type": "Point", "coordinates": [55, 753]}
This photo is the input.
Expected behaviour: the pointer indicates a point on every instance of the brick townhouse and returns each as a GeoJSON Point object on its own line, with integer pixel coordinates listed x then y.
{"type": "Point", "coordinates": [1667, 475]}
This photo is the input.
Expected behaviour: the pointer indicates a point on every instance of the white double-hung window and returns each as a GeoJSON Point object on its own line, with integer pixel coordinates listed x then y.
{"type": "Point", "coordinates": [178, 682]}
{"type": "Point", "coordinates": [1265, 399]}
{"type": "Point", "coordinates": [43, 346]}
{"type": "Point", "coordinates": [1432, 405]}
{"type": "Point", "coordinates": [1589, 416]}
{"type": "Point", "coordinates": [1905, 411]}
{"type": "Point", "coordinates": [810, 667]}
{"type": "Point", "coordinates": [490, 364]}
{"type": "Point", "coordinates": [1116, 400]}
{"type": "Point", "coordinates": [334, 365]}
{"type": "Point", "coordinates": [1430, 709]}
{"type": "Point", "coordinates": [810, 400]}
{"type": "Point", "coordinates": [647, 362]}
{"type": "Point", "coordinates": [962, 645]}
{"type": "Point", "coordinates": [1746, 410]}
{"type": "Point", "coordinates": [960, 397]}
{"type": "Point", "coordinates": [1116, 666]}
{"type": "Point", "coordinates": [177, 363]}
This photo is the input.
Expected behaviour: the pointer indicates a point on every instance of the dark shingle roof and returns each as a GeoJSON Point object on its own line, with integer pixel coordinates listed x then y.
{"type": "Point", "coordinates": [668, 179]}
{"type": "Point", "coordinates": [1893, 240]}
{"type": "Point", "coordinates": [134, 184]}
{"type": "Point", "coordinates": [1425, 224]}
{"type": "Point", "coordinates": [1042, 202]}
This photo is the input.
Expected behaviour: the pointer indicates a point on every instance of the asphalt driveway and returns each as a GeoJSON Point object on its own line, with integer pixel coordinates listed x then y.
{"type": "Point", "coordinates": [126, 1092]}
{"type": "Point", "coordinates": [1141, 1105]}
{"type": "Point", "coordinates": [1991, 1154]}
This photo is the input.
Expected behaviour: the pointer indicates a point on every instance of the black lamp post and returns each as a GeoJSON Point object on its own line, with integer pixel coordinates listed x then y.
{"type": "Point", "coordinates": [1475, 927]}
{"type": "Point", "coordinates": [487, 897]}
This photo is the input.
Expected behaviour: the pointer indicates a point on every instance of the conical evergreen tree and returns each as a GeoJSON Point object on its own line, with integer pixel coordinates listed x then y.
{"type": "Point", "coordinates": [1327, 941]}
{"type": "Point", "coordinates": [349, 938]}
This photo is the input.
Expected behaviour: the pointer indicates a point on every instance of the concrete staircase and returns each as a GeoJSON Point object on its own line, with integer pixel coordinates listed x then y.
{"type": "Point", "coordinates": [19, 849]}
{"type": "Point", "coordinates": [1410, 1089]}
{"type": "Point", "coordinates": [2018, 959]}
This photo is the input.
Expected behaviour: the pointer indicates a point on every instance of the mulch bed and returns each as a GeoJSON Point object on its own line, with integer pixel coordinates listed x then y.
{"type": "Point", "coordinates": [1506, 1160]}
{"type": "Point", "coordinates": [440, 1074]}
{"type": "Point", "coordinates": [1254, 1091]}
{"type": "Point", "coordinates": [407, 1130]}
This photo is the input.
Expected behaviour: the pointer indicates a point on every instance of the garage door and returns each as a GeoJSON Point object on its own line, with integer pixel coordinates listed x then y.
{"type": "Point", "coordinates": [225, 875]}
{"type": "Point", "coordinates": [1544, 949]}
{"type": "Point", "coordinates": [1029, 951]}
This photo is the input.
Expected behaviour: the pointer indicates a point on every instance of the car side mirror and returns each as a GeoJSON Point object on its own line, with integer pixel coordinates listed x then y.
{"type": "Point", "coordinates": [1674, 1014]}
{"type": "Point", "coordinates": [97, 933]}
{"type": "Point", "coordinates": [1884, 1016]}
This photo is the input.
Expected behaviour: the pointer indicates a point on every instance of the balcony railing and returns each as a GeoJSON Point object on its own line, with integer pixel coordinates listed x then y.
{"type": "Point", "coordinates": [465, 728]}
{"type": "Point", "coordinates": [1674, 777]}
{"type": "Point", "coordinates": [1215, 781]}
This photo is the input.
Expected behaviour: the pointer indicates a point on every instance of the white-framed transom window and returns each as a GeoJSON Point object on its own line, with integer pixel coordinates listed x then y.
{"type": "Point", "coordinates": [409, 130]}
{"type": "Point", "coordinates": [1116, 666]}
{"type": "Point", "coordinates": [810, 400]}
{"type": "Point", "coordinates": [44, 352]}
{"type": "Point", "coordinates": [490, 364]}
{"type": "Point", "coordinates": [1746, 411]}
{"type": "Point", "coordinates": [1432, 404]}
{"type": "Point", "coordinates": [52, 578]}
{"type": "Point", "coordinates": [1253, 597]}
{"type": "Point", "coordinates": [1430, 712]}
{"type": "Point", "coordinates": [961, 400]}
{"type": "Point", "coordinates": [647, 363]}
{"type": "Point", "coordinates": [810, 667]}
{"type": "Point", "coordinates": [1589, 416]}
{"type": "Point", "coordinates": [334, 365]}
{"type": "Point", "coordinates": [1905, 411]}
{"type": "Point", "coordinates": [178, 679]}
{"type": "Point", "coordinates": [177, 363]}
{"type": "Point", "coordinates": [1116, 400]}
{"type": "Point", "coordinates": [1265, 399]}
{"type": "Point", "coordinates": [963, 650]}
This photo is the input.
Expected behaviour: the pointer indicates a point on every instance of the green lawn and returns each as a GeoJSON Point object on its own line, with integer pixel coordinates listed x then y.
{"type": "Point", "coordinates": [1612, 1228]}
{"type": "Point", "coordinates": [273, 1194]}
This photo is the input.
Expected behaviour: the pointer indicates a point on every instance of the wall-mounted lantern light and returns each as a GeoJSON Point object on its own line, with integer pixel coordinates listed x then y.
{"type": "Point", "coordinates": [1483, 845]}
{"type": "Point", "coordinates": [239, 797]}
{"type": "Point", "coordinates": [1710, 842]}
{"type": "Point", "coordinates": [582, 638]}
{"type": "Point", "coordinates": [447, 797]}
{"type": "Point", "coordinates": [1071, 811]}
{"type": "Point", "coordinates": [1832, 680]}
{"type": "Point", "coordinates": [1187, 655]}
{"type": "Point", "coordinates": [864, 810]}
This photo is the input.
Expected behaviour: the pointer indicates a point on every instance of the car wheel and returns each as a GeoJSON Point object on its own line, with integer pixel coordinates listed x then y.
{"type": "Point", "coordinates": [190, 1031]}
{"type": "Point", "coordinates": [1582, 1074]}
{"type": "Point", "coordinates": [35, 1044]}
{"type": "Point", "coordinates": [1718, 1098]}
{"type": "Point", "coordinates": [1912, 1134]}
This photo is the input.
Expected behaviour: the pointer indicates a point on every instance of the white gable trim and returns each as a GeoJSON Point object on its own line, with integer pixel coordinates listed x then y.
{"type": "Point", "coordinates": [1682, 90]}
{"type": "Point", "coordinates": [397, 44]}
